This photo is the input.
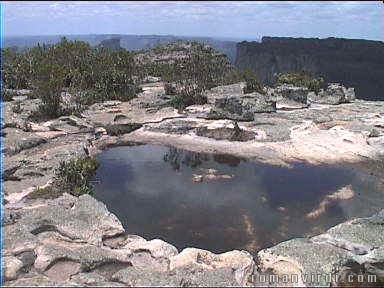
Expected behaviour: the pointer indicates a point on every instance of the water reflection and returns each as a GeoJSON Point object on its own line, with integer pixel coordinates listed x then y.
{"type": "Point", "coordinates": [177, 157]}
{"type": "Point", "coordinates": [152, 190]}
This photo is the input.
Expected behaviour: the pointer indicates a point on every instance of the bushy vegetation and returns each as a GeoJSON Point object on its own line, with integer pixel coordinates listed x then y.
{"type": "Point", "coordinates": [193, 69]}
{"type": "Point", "coordinates": [251, 82]}
{"type": "Point", "coordinates": [92, 74]}
{"type": "Point", "coordinates": [74, 176]}
{"type": "Point", "coordinates": [6, 96]}
{"type": "Point", "coordinates": [97, 74]}
{"type": "Point", "coordinates": [301, 79]}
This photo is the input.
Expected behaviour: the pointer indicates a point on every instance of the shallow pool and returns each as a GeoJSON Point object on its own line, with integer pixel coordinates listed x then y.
{"type": "Point", "coordinates": [220, 202]}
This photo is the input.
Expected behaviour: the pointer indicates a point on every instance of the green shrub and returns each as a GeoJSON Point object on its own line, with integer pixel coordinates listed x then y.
{"type": "Point", "coordinates": [48, 192]}
{"type": "Point", "coordinates": [170, 89]}
{"type": "Point", "coordinates": [251, 82]}
{"type": "Point", "coordinates": [74, 176]}
{"type": "Point", "coordinates": [16, 108]}
{"type": "Point", "coordinates": [301, 79]}
{"type": "Point", "coordinates": [120, 129]}
{"type": "Point", "coordinates": [7, 96]}
{"type": "Point", "coordinates": [182, 100]}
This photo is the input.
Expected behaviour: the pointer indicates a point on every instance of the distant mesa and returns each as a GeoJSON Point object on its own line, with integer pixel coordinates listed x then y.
{"type": "Point", "coordinates": [355, 63]}
{"type": "Point", "coordinates": [111, 44]}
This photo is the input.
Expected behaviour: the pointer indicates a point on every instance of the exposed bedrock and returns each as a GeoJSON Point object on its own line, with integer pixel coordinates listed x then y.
{"type": "Point", "coordinates": [72, 241]}
{"type": "Point", "coordinates": [76, 241]}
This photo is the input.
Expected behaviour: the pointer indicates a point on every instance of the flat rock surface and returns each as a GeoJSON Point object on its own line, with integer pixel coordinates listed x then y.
{"type": "Point", "coordinates": [71, 241]}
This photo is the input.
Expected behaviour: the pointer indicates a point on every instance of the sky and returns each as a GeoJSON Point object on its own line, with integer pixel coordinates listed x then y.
{"type": "Point", "coordinates": [248, 20]}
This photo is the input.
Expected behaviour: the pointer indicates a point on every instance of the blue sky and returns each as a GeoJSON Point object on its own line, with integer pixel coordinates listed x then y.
{"type": "Point", "coordinates": [242, 20]}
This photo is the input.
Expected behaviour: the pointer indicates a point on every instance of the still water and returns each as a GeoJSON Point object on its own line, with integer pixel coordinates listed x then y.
{"type": "Point", "coordinates": [220, 202]}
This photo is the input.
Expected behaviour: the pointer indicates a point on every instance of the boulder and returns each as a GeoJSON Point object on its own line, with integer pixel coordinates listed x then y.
{"type": "Point", "coordinates": [151, 79]}
{"type": "Point", "coordinates": [68, 124]}
{"type": "Point", "coordinates": [333, 95]}
{"type": "Point", "coordinates": [291, 92]}
{"type": "Point", "coordinates": [17, 140]}
{"type": "Point", "coordinates": [240, 263]}
{"type": "Point", "coordinates": [11, 267]}
{"type": "Point", "coordinates": [353, 247]}
{"type": "Point", "coordinates": [241, 108]}
{"type": "Point", "coordinates": [289, 97]}
{"type": "Point", "coordinates": [224, 91]}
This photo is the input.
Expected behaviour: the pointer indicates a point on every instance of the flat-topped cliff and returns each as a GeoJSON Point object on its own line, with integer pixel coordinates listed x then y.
{"type": "Point", "coordinates": [357, 63]}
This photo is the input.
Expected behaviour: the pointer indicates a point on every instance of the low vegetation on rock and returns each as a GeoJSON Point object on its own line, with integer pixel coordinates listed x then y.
{"type": "Point", "coordinates": [188, 68]}
{"type": "Point", "coordinates": [300, 79]}
{"type": "Point", "coordinates": [95, 74]}
{"type": "Point", "coordinates": [251, 82]}
{"type": "Point", "coordinates": [91, 74]}
{"type": "Point", "coordinates": [74, 176]}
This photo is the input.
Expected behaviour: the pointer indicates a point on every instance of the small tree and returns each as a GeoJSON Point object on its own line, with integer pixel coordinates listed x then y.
{"type": "Point", "coordinates": [251, 82]}
{"type": "Point", "coordinates": [49, 85]}
{"type": "Point", "coordinates": [302, 78]}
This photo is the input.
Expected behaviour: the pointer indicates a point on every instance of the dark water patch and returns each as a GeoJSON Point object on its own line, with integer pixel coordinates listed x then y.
{"type": "Point", "coordinates": [220, 202]}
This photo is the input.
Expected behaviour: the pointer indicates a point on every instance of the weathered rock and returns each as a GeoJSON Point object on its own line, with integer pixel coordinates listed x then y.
{"type": "Point", "coordinates": [240, 262]}
{"type": "Point", "coordinates": [190, 276]}
{"type": "Point", "coordinates": [119, 129]}
{"type": "Point", "coordinates": [291, 92]}
{"type": "Point", "coordinates": [39, 280]}
{"type": "Point", "coordinates": [224, 133]}
{"type": "Point", "coordinates": [151, 79]}
{"type": "Point", "coordinates": [95, 280]}
{"type": "Point", "coordinates": [70, 258]}
{"type": "Point", "coordinates": [145, 277]}
{"type": "Point", "coordinates": [224, 92]}
{"type": "Point", "coordinates": [11, 267]}
{"type": "Point", "coordinates": [303, 258]}
{"type": "Point", "coordinates": [79, 219]}
{"type": "Point", "coordinates": [17, 140]}
{"type": "Point", "coordinates": [76, 241]}
{"type": "Point", "coordinates": [359, 236]}
{"type": "Point", "coordinates": [334, 94]}
{"type": "Point", "coordinates": [241, 108]}
{"type": "Point", "coordinates": [173, 127]}
{"type": "Point", "coordinates": [68, 124]}
{"type": "Point", "coordinates": [157, 248]}
{"type": "Point", "coordinates": [358, 241]}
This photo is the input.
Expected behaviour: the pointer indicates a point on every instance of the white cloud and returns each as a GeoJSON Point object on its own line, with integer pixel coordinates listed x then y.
{"type": "Point", "coordinates": [312, 17]}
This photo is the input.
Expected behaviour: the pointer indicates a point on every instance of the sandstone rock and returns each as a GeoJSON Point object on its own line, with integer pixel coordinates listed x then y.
{"type": "Point", "coordinates": [158, 248]}
{"type": "Point", "coordinates": [290, 96]}
{"type": "Point", "coordinates": [89, 279]}
{"type": "Point", "coordinates": [241, 108]}
{"type": "Point", "coordinates": [189, 276]}
{"type": "Point", "coordinates": [224, 92]}
{"type": "Point", "coordinates": [80, 219]}
{"type": "Point", "coordinates": [225, 133]}
{"type": "Point", "coordinates": [173, 127]}
{"type": "Point", "coordinates": [145, 277]}
{"type": "Point", "coordinates": [303, 258]}
{"type": "Point", "coordinates": [240, 262]}
{"type": "Point", "coordinates": [54, 253]}
{"type": "Point", "coordinates": [68, 124]}
{"type": "Point", "coordinates": [62, 270]}
{"type": "Point", "coordinates": [358, 241]}
{"type": "Point", "coordinates": [334, 94]}
{"type": "Point", "coordinates": [364, 232]}
{"type": "Point", "coordinates": [17, 140]}
{"type": "Point", "coordinates": [11, 266]}
{"type": "Point", "coordinates": [39, 280]}
{"type": "Point", "coordinates": [151, 79]}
